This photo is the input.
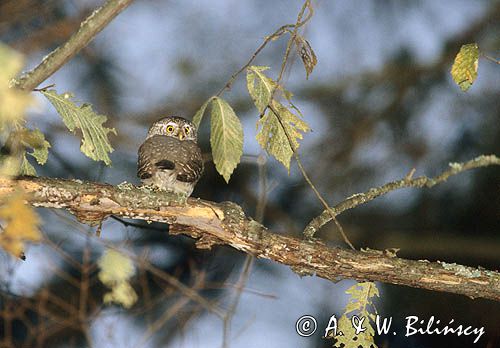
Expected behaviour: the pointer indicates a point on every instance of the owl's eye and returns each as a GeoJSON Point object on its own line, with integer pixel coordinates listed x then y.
{"type": "Point", "coordinates": [187, 130]}
{"type": "Point", "coordinates": [170, 128]}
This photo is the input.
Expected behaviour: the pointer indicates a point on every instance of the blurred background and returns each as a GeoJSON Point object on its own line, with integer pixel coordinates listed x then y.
{"type": "Point", "coordinates": [380, 102]}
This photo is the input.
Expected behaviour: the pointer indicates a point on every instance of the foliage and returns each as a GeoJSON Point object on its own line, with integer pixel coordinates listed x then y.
{"type": "Point", "coordinates": [260, 87]}
{"type": "Point", "coordinates": [464, 69]}
{"type": "Point", "coordinates": [360, 304]}
{"type": "Point", "coordinates": [13, 105]}
{"type": "Point", "coordinates": [21, 224]}
{"type": "Point", "coordinates": [95, 142]}
{"type": "Point", "coordinates": [275, 129]}
{"type": "Point", "coordinates": [280, 130]}
{"type": "Point", "coordinates": [19, 141]}
{"type": "Point", "coordinates": [199, 114]}
{"type": "Point", "coordinates": [13, 102]}
{"type": "Point", "coordinates": [226, 137]}
{"type": "Point", "coordinates": [115, 272]}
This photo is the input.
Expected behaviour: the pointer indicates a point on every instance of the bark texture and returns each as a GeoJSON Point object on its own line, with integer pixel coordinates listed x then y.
{"type": "Point", "coordinates": [226, 223]}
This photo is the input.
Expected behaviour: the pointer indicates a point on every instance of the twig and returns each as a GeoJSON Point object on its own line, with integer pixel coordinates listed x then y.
{"type": "Point", "coordinates": [289, 138]}
{"type": "Point", "coordinates": [247, 267]}
{"type": "Point", "coordinates": [490, 58]}
{"type": "Point", "coordinates": [408, 181]}
{"type": "Point", "coordinates": [249, 260]}
{"type": "Point", "coordinates": [89, 28]}
{"type": "Point", "coordinates": [280, 31]}
{"type": "Point", "coordinates": [172, 310]}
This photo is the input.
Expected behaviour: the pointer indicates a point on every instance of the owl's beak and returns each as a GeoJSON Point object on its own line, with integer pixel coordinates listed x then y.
{"type": "Point", "coordinates": [181, 135]}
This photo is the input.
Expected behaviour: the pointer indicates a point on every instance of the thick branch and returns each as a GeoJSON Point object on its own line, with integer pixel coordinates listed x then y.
{"type": "Point", "coordinates": [89, 28]}
{"type": "Point", "coordinates": [225, 223]}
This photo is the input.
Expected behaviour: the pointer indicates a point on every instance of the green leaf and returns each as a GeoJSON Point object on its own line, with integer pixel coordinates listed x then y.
{"type": "Point", "coordinates": [226, 137]}
{"type": "Point", "coordinates": [464, 69]}
{"type": "Point", "coordinates": [360, 304]}
{"type": "Point", "coordinates": [95, 142]}
{"type": "Point", "coordinates": [272, 136]}
{"type": "Point", "coordinates": [40, 146]}
{"type": "Point", "coordinates": [199, 114]}
{"type": "Point", "coordinates": [18, 143]}
{"type": "Point", "coordinates": [260, 86]}
{"type": "Point", "coordinates": [26, 168]}
{"type": "Point", "coordinates": [306, 54]}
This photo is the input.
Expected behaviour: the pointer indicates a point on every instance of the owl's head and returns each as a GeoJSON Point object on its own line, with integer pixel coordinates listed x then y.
{"type": "Point", "coordinates": [174, 126]}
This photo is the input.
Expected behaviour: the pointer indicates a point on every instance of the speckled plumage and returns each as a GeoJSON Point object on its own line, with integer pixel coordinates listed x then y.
{"type": "Point", "coordinates": [170, 158]}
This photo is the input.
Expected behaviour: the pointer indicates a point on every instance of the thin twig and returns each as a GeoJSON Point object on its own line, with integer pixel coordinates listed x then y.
{"type": "Point", "coordinates": [280, 31]}
{"type": "Point", "coordinates": [172, 310]}
{"type": "Point", "coordinates": [289, 138]}
{"type": "Point", "coordinates": [89, 28]}
{"type": "Point", "coordinates": [490, 58]}
{"type": "Point", "coordinates": [408, 181]}
{"type": "Point", "coordinates": [249, 260]}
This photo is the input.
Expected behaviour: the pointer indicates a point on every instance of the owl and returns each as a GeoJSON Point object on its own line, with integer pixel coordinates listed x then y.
{"type": "Point", "coordinates": [169, 158]}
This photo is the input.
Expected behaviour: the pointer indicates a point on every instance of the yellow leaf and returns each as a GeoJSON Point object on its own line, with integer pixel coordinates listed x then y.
{"type": "Point", "coordinates": [360, 304]}
{"type": "Point", "coordinates": [464, 69]}
{"type": "Point", "coordinates": [122, 293]}
{"type": "Point", "coordinates": [115, 271]}
{"type": "Point", "coordinates": [272, 136]}
{"type": "Point", "coordinates": [13, 102]}
{"type": "Point", "coordinates": [20, 224]}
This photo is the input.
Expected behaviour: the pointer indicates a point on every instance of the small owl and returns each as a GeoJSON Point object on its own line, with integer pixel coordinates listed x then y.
{"type": "Point", "coordinates": [170, 158]}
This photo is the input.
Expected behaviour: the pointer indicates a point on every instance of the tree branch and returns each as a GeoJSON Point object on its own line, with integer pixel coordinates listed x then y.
{"type": "Point", "coordinates": [408, 181]}
{"type": "Point", "coordinates": [225, 223]}
{"type": "Point", "coordinates": [89, 28]}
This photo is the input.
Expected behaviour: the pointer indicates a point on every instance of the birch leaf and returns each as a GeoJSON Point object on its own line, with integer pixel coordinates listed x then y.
{"type": "Point", "coordinates": [360, 304]}
{"type": "Point", "coordinates": [95, 142]}
{"type": "Point", "coordinates": [21, 224]}
{"type": "Point", "coordinates": [226, 137]}
{"type": "Point", "coordinates": [199, 114]}
{"type": "Point", "coordinates": [272, 136]}
{"type": "Point", "coordinates": [260, 86]}
{"type": "Point", "coordinates": [464, 69]}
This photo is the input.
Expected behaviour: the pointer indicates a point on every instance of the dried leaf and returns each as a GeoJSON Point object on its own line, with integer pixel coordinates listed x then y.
{"type": "Point", "coordinates": [116, 269]}
{"type": "Point", "coordinates": [20, 223]}
{"type": "Point", "coordinates": [464, 69]}
{"type": "Point", "coordinates": [95, 142]}
{"type": "Point", "coordinates": [272, 136]}
{"type": "Point", "coordinates": [226, 137]}
{"type": "Point", "coordinates": [306, 54]}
